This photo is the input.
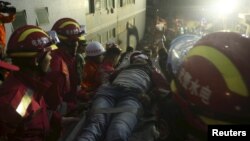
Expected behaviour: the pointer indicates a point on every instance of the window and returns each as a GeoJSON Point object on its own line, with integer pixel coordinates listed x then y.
{"type": "Point", "coordinates": [121, 3]}
{"type": "Point", "coordinates": [21, 20]}
{"type": "Point", "coordinates": [110, 36]}
{"type": "Point", "coordinates": [111, 3]}
{"type": "Point", "coordinates": [98, 5]}
{"type": "Point", "coordinates": [114, 32]}
{"type": "Point", "coordinates": [91, 6]}
{"type": "Point", "coordinates": [42, 16]}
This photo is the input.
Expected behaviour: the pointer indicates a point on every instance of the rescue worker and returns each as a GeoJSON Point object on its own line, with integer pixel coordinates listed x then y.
{"type": "Point", "coordinates": [123, 97]}
{"type": "Point", "coordinates": [63, 65]}
{"type": "Point", "coordinates": [80, 61]}
{"type": "Point", "coordinates": [92, 77]}
{"type": "Point", "coordinates": [10, 17]}
{"type": "Point", "coordinates": [110, 60]}
{"type": "Point", "coordinates": [23, 110]}
{"type": "Point", "coordinates": [211, 87]}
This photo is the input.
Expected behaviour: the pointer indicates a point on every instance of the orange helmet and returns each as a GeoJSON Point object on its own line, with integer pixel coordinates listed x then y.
{"type": "Point", "coordinates": [213, 82]}
{"type": "Point", "coordinates": [29, 42]}
{"type": "Point", "coordinates": [69, 30]}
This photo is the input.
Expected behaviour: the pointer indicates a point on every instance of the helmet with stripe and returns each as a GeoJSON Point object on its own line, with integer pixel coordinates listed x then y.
{"type": "Point", "coordinates": [29, 42]}
{"type": "Point", "coordinates": [213, 81]}
{"type": "Point", "coordinates": [69, 30]}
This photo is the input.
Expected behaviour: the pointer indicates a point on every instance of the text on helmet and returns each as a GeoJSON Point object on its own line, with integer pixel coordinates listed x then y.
{"type": "Point", "coordinates": [40, 41]}
{"type": "Point", "coordinates": [195, 88]}
{"type": "Point", "coordinates": [73, 32]}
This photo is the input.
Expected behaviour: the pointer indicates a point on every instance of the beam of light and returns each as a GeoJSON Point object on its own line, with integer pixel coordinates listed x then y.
{"type": "Point", "coordinates": [225, 7]}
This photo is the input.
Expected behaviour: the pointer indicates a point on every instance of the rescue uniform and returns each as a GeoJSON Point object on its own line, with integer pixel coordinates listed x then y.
{"type": "Point", "coordinates": [23, 110]}
{"type": "Point", "coordinates": [63, 74]}
{"type": "Point", "coordinates": [59, 75]}
{"type": "Point", "coordinates": [92, 76]}
{"type": "Point", "coordinates": [70, 61]}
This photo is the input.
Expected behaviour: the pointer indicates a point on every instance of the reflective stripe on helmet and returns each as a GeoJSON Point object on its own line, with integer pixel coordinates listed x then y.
{"type": "Point", "coordinates": [227, 69]}
{"type": "Point", "coordinates": [30, 54]}
{"type": "Point", "coordinates": [24, 103]}
{"type": "Point", "coordinates": [28, 32]}
{"type": "Point", "coordinates": [23, 54]}
{"type": "Point", "coordinates": [81, 38]}
{"type": "Point", "coordinates": [210, 121]}
{"type": "Point", "coordinates": [67, 23]}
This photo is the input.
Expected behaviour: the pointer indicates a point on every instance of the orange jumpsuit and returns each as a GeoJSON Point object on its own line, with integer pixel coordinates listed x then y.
{"type": "Point", "coordinates": [65, 80]}
{"type": "Point", "coordinates": [92, 77]}
{"type": "Point", "coordinates": [4, 19]}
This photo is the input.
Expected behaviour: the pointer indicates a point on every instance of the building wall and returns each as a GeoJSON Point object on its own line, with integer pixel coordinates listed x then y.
{"type": "Point", "coordinates": [56, 9]}
{"type": "Point", "coordinates": [97, 24]}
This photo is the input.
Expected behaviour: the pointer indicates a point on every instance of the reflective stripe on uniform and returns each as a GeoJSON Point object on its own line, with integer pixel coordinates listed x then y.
{"type": "Point", "coordinates": [224, 65]}
{"type": "Point", "coordinates": [173, 86]}
{"type": "Point", "coordinates": [53, 47]}
{"type": "Point", "coordinates": [24, 103]}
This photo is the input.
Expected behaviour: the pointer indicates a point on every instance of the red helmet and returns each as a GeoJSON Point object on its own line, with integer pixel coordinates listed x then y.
{"type": "Point", "coordinates": [213, 82]}
{"type": "Point", "coordinates": [29, 42]}
{"type": "Point", "coordinates": [69, 30]}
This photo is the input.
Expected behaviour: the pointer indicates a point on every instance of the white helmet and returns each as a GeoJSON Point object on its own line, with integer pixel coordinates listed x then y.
{"type": "Point", "coordinates": [94, 49]}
